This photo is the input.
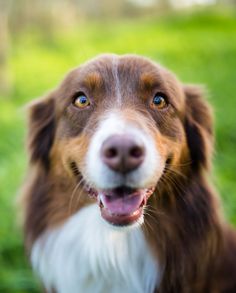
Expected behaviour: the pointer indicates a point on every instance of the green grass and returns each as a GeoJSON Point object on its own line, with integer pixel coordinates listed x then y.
{"type": "Point", "coordinates": [199, 48]}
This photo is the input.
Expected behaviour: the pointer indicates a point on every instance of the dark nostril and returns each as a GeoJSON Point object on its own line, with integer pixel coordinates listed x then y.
{"type": "Point", "coordinates": [111, 152]}
{"type": "Point", "coordinates": [136, 152]}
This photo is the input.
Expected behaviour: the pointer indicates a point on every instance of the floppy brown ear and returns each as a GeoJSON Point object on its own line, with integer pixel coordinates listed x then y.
{"type": "Point", "coordinates": [41, 130]}
{"type": "Point", "coordinates": [198, 127]}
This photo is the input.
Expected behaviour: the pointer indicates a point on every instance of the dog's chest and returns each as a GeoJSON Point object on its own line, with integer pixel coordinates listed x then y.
{"type": "Point", "coordinates": [87, 255]}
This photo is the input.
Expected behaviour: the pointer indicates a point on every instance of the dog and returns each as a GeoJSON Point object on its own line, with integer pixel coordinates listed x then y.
{"type": "Point", "coordinates": [117, 197]}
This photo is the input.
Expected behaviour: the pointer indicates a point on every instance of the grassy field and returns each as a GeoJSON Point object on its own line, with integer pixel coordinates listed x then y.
{"type": "Point", "coordinates": [199, 48]}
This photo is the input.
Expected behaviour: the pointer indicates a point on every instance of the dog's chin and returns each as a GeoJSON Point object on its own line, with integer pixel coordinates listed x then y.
{"type": "Point", "coordinates": [122, 206]}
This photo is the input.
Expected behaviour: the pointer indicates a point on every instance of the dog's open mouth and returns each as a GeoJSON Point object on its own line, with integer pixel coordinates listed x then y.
{"type": "Point", "coordinates": [123, 205]}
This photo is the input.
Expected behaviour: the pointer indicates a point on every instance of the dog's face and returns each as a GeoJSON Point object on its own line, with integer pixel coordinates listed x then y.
{"type": "Point", "coordinates": [117, 124]}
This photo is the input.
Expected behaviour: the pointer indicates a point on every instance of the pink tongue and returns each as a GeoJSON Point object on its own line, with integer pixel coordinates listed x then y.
{"type": "Point", "coordinates": [124, 205]}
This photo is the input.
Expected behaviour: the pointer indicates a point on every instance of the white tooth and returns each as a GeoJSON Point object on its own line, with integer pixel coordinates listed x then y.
{"type": "Point", "coordinates": [135, 212]}
{"type": "Point", "coordinates": [101, 198]}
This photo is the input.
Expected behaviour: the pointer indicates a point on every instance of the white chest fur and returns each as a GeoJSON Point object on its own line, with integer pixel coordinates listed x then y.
{"type": "Point", "coordinates": [86, 255]}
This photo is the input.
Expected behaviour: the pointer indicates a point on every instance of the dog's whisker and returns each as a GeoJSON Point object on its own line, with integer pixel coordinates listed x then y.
{"type": "Point", "coordinates": [175, 172]}
{"type": "Point", "coordinates": [178, 186]}
{"type": "Point", "coordinates": [78, 198]}
{"type": "Point", "coordinates": [73, 194]}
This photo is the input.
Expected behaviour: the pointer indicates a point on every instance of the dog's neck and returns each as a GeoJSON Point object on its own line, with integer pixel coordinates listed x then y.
{"type": "Point", "coordinates": [88, 255]}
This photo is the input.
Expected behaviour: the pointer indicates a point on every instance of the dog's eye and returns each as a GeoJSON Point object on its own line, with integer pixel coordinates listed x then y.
{"type": "Point", "coordinates": [159, 101]}
{"type": "Point", "coordinates": [81, 101]}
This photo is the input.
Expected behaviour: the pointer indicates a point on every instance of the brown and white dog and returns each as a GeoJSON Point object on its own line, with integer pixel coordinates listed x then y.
{"type": "Point", "coordinates": [116, 198]}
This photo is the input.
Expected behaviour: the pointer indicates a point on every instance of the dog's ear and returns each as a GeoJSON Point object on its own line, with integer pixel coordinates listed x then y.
{"type": "Point", "coordinates": [41, 130]}
{"type": "Point", "coordinates": [198, 127]}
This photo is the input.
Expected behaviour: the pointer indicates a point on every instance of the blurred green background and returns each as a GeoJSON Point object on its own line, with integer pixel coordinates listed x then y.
{"type": "Point", "coordinates": [41, 40]}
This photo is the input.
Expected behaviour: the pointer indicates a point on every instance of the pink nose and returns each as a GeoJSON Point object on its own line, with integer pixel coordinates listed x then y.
{"type": "Point", "coordinates": [122, 153]}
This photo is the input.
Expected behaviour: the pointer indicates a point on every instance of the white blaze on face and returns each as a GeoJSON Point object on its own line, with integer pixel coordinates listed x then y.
{"type": "Point", "coordinates": [101, 177]}
{"type": "Point", "coordinates": [116, 80]}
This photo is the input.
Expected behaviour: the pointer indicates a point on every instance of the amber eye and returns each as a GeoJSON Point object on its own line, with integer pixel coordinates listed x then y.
{"type": "Point", "coordinates": [81, 101]}
{"type": "Point", "coordinates": [159, 101]}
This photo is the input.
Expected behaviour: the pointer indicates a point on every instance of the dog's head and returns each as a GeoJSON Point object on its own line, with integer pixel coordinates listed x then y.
{"type": "Point", "coordinates": [117, 125]}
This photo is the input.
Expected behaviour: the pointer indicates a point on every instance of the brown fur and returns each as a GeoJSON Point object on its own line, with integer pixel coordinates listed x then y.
{"type": "Point", "coordinates": [183, 226]}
